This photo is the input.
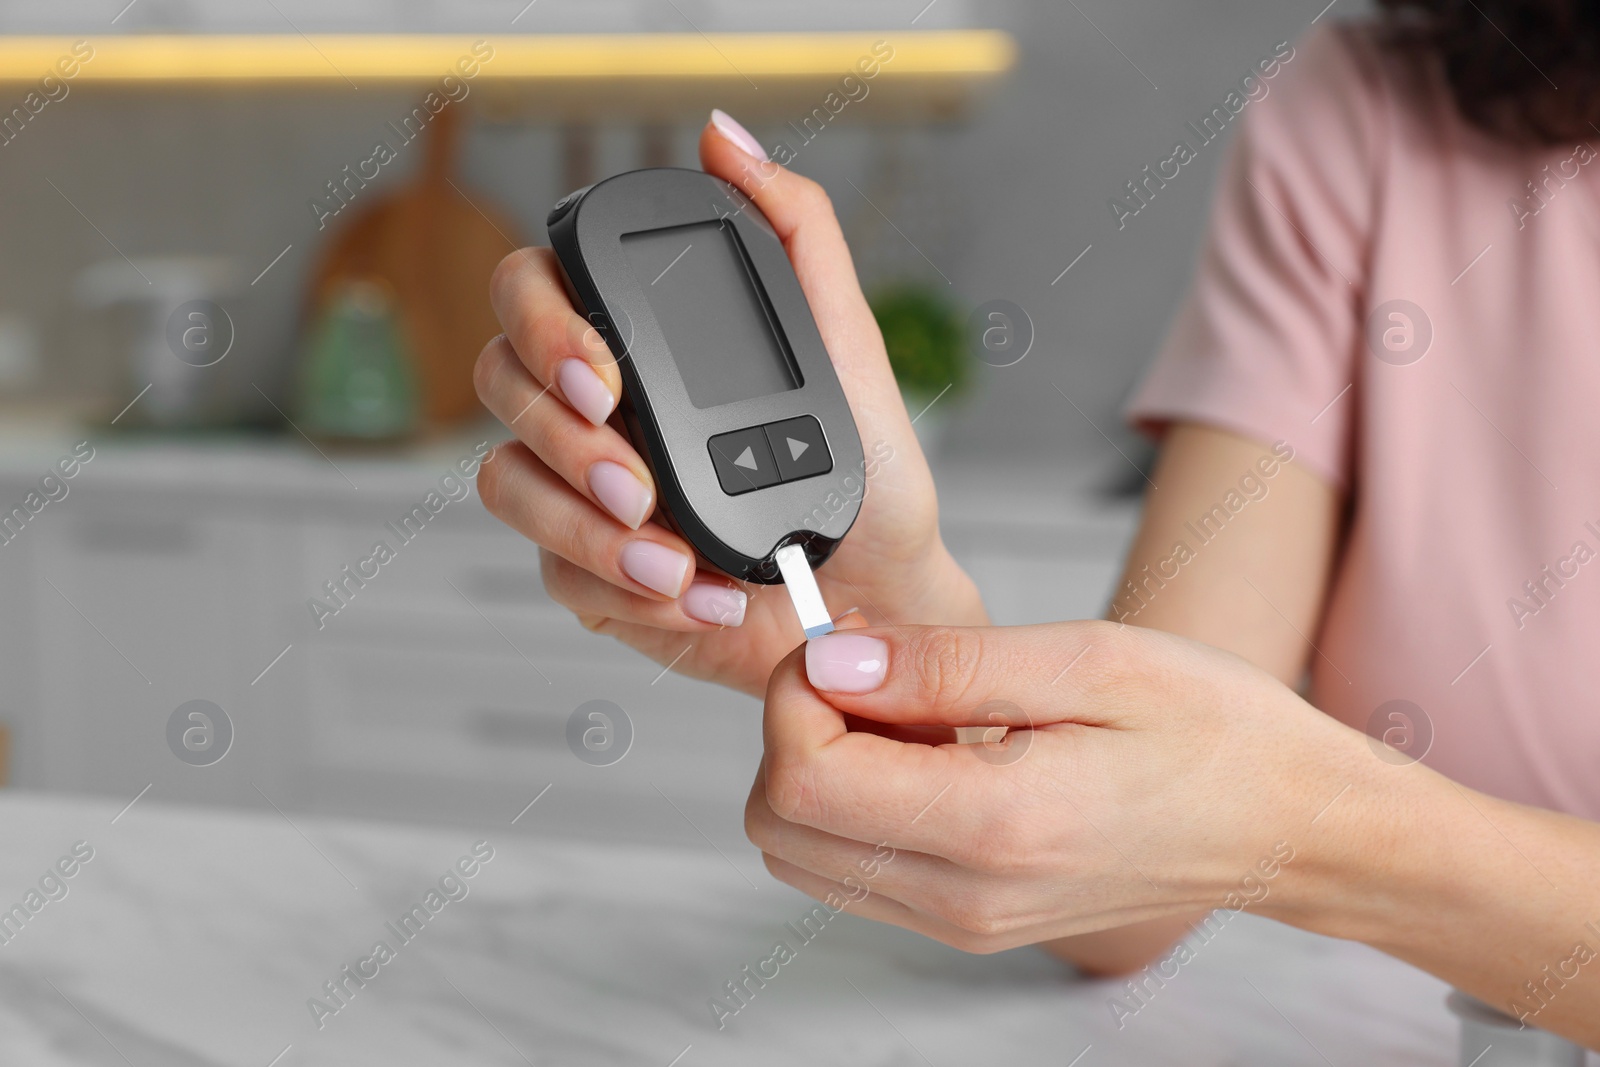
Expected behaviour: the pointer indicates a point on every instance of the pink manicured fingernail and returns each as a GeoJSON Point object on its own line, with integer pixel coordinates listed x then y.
{"type": "Point", "coordinates": [742, 139]}
{"type": "Point", "coordinates": [714, 602]}
{"type": "Point", "coordinates": [620, 493]}
{"type": "Point", "coordinates": [846, 663]}
{"type": "Point", "coordinates": [584, 390]}
{"type": "Point", "coordinates": [655, 566]}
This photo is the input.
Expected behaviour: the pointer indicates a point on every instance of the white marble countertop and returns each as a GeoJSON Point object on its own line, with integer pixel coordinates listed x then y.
{"type": "Point", "coordinates": [196, 937]}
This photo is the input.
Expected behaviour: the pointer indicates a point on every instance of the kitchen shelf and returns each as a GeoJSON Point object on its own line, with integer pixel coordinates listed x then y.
{"type": "Point", "coordinates": [613, 75]}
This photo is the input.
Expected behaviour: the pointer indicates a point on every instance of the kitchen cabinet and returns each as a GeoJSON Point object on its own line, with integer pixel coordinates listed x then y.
{"type": "Point", "coordinates": [440, 691]}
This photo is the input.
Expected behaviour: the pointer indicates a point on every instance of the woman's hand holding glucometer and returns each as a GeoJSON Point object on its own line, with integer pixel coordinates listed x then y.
{"type": "Point", "coordinates": [573, 483]}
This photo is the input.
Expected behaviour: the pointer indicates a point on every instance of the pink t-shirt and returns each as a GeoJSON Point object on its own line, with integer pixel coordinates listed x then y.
{"type": "Point", "coordinates": [1383, 289]}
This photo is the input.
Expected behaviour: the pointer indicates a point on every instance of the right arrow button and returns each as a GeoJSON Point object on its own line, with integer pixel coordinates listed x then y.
{"type": "Point", "coordinates": [800, 448]}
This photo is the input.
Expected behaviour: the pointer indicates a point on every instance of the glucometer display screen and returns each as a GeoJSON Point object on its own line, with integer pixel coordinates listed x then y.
{"type": "Point", "coordinates": [712, 312]}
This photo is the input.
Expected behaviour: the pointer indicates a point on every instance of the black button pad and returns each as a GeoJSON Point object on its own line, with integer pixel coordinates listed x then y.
{"type": "Point", "coordinates": [759, 456]}
{"type": "Point", "coordinates": [743, 461]}
{"type": "Point", "coordinates": [799, 448]}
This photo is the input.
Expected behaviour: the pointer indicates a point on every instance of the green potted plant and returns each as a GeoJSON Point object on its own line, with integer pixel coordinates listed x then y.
{"type": "Point", "coordinates": [922, 331]}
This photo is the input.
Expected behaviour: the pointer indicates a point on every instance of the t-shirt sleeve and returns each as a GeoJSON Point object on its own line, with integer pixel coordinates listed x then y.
{"type": "Point", "coordinates": [1266, 340]}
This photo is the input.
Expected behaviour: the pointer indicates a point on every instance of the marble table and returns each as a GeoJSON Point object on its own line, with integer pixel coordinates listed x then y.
{"type": "Point", "coordinates": [197, 936]}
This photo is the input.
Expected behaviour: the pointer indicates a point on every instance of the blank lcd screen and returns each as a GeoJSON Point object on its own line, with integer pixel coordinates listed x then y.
{"type": "Point", "coordinates": [712, 312]}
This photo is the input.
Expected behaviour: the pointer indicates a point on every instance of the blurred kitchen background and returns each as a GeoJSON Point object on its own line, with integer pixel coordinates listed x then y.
{"type": "Point", "coordinates": [175, 175]}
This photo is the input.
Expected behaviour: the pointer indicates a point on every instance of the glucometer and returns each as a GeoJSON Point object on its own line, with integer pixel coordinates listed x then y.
{"type": "Point", "coordinates": [727, 390]}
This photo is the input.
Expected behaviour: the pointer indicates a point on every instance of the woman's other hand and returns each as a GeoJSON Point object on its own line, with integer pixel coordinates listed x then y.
{"type": "Point", "coordinates": [1146, 778]}
{"type": "Point", "coordinates": [1143, 776]}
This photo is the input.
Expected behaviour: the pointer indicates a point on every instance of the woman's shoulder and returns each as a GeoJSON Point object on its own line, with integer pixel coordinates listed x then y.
{"type": "Point", "coordinates": [1335, 82]}
{"type": "Point", "coordinates": [1352, 104]}
{"type": "Point", "coordinates": [1363, 76]}
{"type": "Point", "coordinates": [1350, 58]}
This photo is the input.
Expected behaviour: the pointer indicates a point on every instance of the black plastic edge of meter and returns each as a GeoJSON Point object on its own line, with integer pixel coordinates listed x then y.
{"type": "Point", "coordinates": [561, 225]}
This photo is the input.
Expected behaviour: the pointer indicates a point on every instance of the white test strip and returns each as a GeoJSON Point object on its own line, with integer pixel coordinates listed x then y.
{"type": "Point", "coordinates": [803, 591]}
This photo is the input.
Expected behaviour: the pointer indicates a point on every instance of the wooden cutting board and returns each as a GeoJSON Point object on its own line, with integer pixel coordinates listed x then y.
{"type": "Point", "coordinates": [435, 249]}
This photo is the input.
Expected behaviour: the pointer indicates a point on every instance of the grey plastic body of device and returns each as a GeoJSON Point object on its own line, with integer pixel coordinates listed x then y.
{"type": "Point", "coordinates": [728, 391]}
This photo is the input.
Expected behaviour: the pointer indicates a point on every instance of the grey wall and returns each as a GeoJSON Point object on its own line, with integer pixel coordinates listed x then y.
{"type": "Point", "coordinates": [999, 206]}
{"type": "Point", "coordinates": [1075, 122]}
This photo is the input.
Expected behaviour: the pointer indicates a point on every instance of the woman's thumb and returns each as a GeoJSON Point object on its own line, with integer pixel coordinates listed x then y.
{"type": "Point", "coordinates": [947, 675]}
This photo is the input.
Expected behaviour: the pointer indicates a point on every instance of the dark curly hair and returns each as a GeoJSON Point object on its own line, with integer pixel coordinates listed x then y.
{"type": "Point", "coordinates": [1522, 70]}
